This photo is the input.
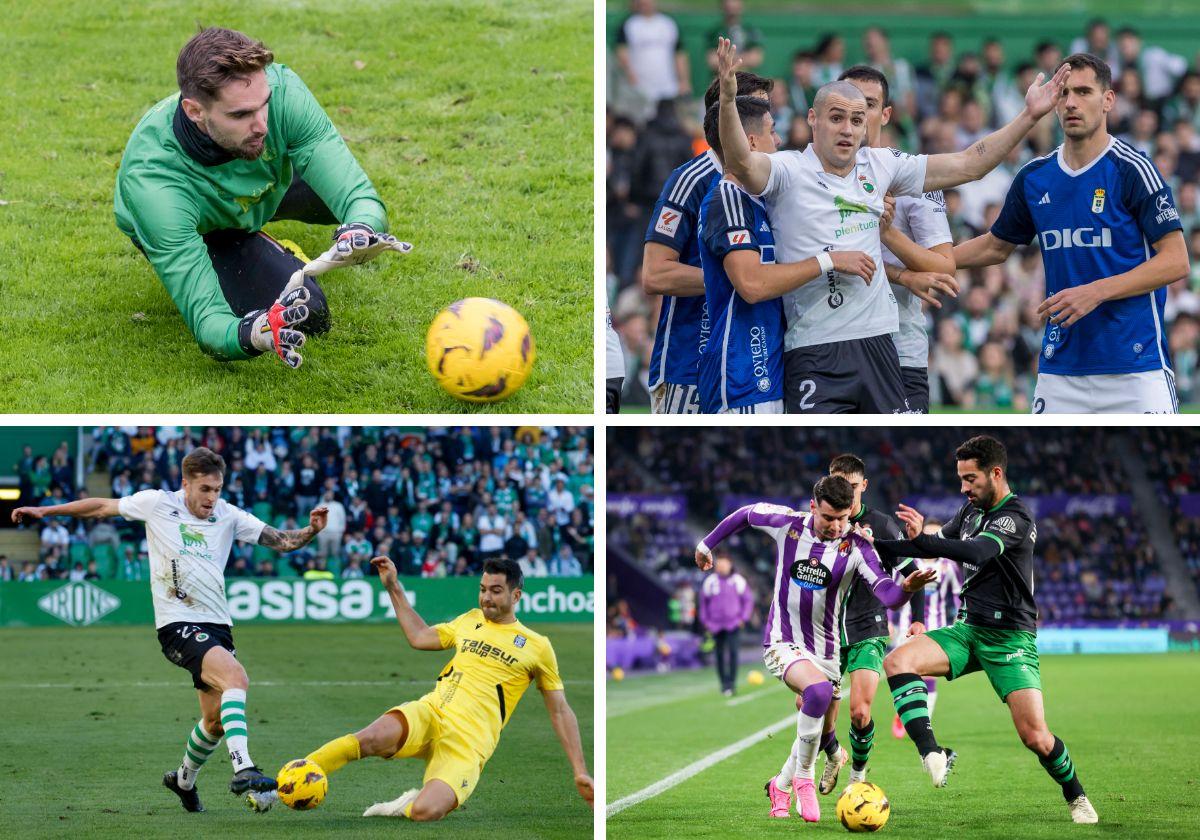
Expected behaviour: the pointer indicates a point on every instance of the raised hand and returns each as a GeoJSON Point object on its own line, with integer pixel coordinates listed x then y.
{"type": "Point", "coordinates": [386, 569]}
{"type": "Point", "coordinates": [704, 558]}
{"type": "Point", "coordinates": [727, 65]}
{"type": "Point", "coordinates": [1041, 98]}
{"type": "Point", "coordinates": [912, 519]}
{"type": "Point", "coordinates": [318, 518]}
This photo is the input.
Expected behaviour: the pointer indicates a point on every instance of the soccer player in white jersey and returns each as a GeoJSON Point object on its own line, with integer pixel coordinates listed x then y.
{"type": "Point", "coordinates": [817, 560]}
{"type": "Point", "coordinates": [918, 251]}
{"type": "Point", "coordinates": [190, 533]}
{"type": "Point", "coordinates": [941, 605]}
{"type": "Point", "coordinates": [614, 366]}
{"type": "Point", "coordinates": [1111, 242]}
{"type": "Point", "coordinates": [839, 353]}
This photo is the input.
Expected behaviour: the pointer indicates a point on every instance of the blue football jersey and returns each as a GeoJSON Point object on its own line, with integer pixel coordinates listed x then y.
{"type": "Point", "coordinates": [683, 322]}
{"type": "Point", "coordinates": [742, 363]}
{"type": "Point", "coordinates": [1095, 222]}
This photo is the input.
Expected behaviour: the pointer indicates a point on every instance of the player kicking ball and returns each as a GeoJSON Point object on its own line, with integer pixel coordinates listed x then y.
{"type": "Point", "coordinates": [190, 533]}
{"type": "Point", "coordinates": [818, 560]}
{"type": "Point", "coordinates": [993, 537]}
{"type": "Point", "coordinates": [455, 728]}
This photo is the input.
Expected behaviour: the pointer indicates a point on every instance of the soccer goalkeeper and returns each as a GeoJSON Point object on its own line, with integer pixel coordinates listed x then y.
{"type": "Point", "coordinates": [243, 143]}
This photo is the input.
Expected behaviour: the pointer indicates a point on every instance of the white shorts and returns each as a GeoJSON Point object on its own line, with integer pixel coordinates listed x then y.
{"type": "Point", "coordinates": [1148, 392]}
{"type": "Point", "coordinates": [768, 407]}
{"type": "Point", "coordinates": [669, 398]}
{"type": "Point", "coordinates": [781, 656]}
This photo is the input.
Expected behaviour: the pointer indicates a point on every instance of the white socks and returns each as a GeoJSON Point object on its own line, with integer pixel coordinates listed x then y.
{"type": "Point", "coordinates": [808, 743]}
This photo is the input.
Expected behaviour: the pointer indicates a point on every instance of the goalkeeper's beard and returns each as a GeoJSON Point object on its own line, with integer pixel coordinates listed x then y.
{"type": "Point", "coordinates": [247, 150]}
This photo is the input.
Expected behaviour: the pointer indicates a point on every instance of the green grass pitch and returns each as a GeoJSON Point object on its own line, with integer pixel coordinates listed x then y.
{"type": "Point", "coordinates": [1131, 723]}
{"type": "Point", "coordinates": [85, 750]}
{"type": "Point", "coordinates": [472, 118]}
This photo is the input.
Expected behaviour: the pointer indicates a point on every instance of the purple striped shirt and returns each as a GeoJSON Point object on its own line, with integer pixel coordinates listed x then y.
{"type": "Point", "coordinates": [812, 576]}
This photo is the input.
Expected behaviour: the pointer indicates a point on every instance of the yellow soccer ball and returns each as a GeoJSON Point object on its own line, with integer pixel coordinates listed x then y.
{"type": "Point", "coordinates": [755, 678]}
{"type": "Point", "coordinates": [479, 350]}
{"type": "Point", "coordinates": [302, 784]}
{"type": "Point", "coordinates": [863, 807]}
{"type": "Point", "coordinates": [618, 673]}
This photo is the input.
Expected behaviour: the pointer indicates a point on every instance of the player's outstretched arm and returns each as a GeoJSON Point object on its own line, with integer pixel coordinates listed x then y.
{"type": "Point", "coordinates": [81, 509]}
{"type": "Point", "coordinates": [950, 170]}
{"type": "Point", "coordinates": [566, 727]}
{"type": "Point", "coordinates": [752, 169]}
{"type": "Point", "coordinates": [756, 282]}
{"type": "Point", "coordinates": [1169, 263]}
{"type": "Point", "coordinates": [419, 634]}
{"type": "Point", "coordinates": [664, 274]}
{"type": "Point", "coordinates": [285, 541]}
{"type": "Point", "coordinates": [984, 250]}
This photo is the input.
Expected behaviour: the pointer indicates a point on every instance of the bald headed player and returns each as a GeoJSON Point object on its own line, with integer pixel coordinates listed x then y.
{"type": "Point", "coordinates": [839, 352]}
{"type": "Point", "coordinates": [456, 727]}
{"type": "Point", "coordinates": [243, 143]}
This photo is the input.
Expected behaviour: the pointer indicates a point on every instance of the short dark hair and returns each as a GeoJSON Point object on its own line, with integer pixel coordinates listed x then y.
{"type": "Point", "coordinates": [511, 570]}
{"type": "Point", "coordinates": [867, 73]}
{"type": "Point", "coordinates": [847, 464]}
{"type": "Point", "coordinates": [1043, 46]}
{"type": "Point", "coordinates": [834, 491]}
{"type": "Point", "coordinates": [748, 84]}
{"type": "Point", "coordinates": [984, 450]}
{"type": "Point", "coordinates": [751, 111]}
{"type": "Point", "coordinates": [202, 461]}
{"type": "Point", "coordinates": [1078, 61]}
{"type": "Point", "coordinates": [213, 58]}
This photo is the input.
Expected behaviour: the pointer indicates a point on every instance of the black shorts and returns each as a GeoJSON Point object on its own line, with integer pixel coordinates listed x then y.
{"type": "Point", "coordinates": [253, 268]}
{"type": "Point", "coordinates": [916, 388]}
{"type": "Point", "coordinates": [184, 644]}
{"type": "Point", "coordinates": [613, 395]}
{"type": "Point", "coordinates": [860, 376]}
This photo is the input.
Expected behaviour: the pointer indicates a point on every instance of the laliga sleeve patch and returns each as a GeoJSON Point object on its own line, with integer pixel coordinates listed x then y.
{"type": "Point", "coordinates": [1005, 525]}
{"type": "Point", "coordinates": [668, 222]}
{"type": "Point", "coordinates": [738, 237]}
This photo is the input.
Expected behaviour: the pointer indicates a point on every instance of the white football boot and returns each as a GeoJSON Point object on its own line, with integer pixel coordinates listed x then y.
{"type": "Point", "coordinates": [395, 808]}
{"type": "Point", "coordinates": [1082, 811]}
{"type": "Point", "coordinates": [833, 766]}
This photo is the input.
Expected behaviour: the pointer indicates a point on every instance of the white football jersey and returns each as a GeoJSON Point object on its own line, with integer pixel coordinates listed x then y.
{"type": "Point", "coordinates": [923, 220]}
{"type": "Point", "coordinates": [614, 359]}
{"type": "Point", "coordinates": [188, 555]}
{"type": "Point", "coordinates": [813, 211]}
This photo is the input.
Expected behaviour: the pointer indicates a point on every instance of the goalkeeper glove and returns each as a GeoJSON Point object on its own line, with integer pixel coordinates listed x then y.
{"type": "Point", "coordinates": [356, 243]}
{"type": "Point", "coordinates": [270, 329]}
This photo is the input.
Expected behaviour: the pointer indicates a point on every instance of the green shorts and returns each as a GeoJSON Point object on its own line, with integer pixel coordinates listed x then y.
{"type": "Point", "coordinates": [1008, 657]}
{"type": "Point", "coordinates": [864, 655]}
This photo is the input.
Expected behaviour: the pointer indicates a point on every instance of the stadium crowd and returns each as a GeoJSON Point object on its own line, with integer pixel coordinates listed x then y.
{"type": "Point", "coordinates": [1173, 463]}
{"type": "Point", "coordinates": [1089, 567]}
{"type": "Point", "coordinates": [984, 344]}
{"type": "Point", "coordinates": [439, 501]}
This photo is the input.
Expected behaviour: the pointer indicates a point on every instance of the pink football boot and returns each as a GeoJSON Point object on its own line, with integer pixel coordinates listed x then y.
{"type": "Point", "coordinates": [781, 800]}
{"type": "Point", "coordinates": [897, 727]}
{"type": "Point", "coordinates": [806, 799]}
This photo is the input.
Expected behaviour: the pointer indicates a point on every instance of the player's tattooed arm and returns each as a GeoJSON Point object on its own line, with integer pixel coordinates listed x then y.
{"type": "Point", "coordinates": [285, 541]}
{"type": "Point", "coordinates": [950, 170]}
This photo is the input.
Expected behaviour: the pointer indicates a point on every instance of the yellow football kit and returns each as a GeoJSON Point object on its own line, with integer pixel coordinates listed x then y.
{"type": "Point", "coordinates": [456, 727]}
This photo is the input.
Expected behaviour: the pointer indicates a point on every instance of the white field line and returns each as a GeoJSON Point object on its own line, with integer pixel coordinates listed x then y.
{"type": "Point", "coordinates": [680, 776]}
{"type": "Point", "coordinates": [754, 695]}
{"type": "Point", "coordinates": [253, 683]}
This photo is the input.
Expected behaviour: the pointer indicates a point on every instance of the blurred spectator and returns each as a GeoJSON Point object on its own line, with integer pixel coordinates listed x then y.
{"type": "Point", "coordinates": [565, 564]}
{"type": "Point", "coordinates": [650, 53]}
{"type": "Point", "coordinates": [748, 39]}
{"type": "Point", "coordinates": [532, 565]}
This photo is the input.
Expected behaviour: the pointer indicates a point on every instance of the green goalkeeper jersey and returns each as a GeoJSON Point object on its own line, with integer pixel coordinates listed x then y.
{"type": "Point", "coordinates": [167, 199]}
